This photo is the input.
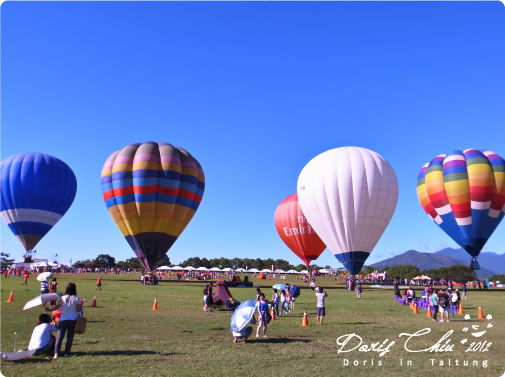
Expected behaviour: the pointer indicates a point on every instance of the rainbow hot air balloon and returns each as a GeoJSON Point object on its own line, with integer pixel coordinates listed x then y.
{"type": "Point", "coordinates": [464, 193]}
{"type": "Point", "coordinates": [349, 196]}
{"type": "Point", "coordinates": [296, 232]}
{"type": "Point", "coordinates": [152, 192]}
{"type": "Point", "coordinates": [37, 190]}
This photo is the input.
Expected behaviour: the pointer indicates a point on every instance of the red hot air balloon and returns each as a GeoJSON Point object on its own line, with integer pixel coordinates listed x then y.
{"type": "Point", "coordinates": [296, 232]}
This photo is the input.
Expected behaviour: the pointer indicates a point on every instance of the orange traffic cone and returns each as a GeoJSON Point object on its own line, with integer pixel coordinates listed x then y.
{"type": "Point", "coordinates": [412, 305]}
{"type": "Point", "coordinates": [11, 297]}
{"type": "Point", "coordinates": [305, 322]}
{"type": "Point", "coordinates": [273, 314]}
{"type": "Point", "coordinates": [460, 309]}
{"type": "Point", "coordinates": [428, 312]}
{"type": "Point", "coordinates": [155, 306]}
{"type": "Point", "coordinates": [415, 309]}
{"type": "Point", "coordinates": [480, 313]}
{"type": "Point", "coordinates": [93, 305]}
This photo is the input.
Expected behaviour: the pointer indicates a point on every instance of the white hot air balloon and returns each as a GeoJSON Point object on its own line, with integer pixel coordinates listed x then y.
{"type": "Point", "coordinates": [349, 196]}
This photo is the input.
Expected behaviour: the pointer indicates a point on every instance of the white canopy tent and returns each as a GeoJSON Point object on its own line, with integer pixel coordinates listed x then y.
{"type": "Point", "coordinates": [215, 269]}
{"type": "Point", "coordinates": [280, 271]}
{"type": "Point", "coordinates": [304, 272]}
{"type": "Point", "coordinates": [164, 268]}
{"type": "Point", "coordinates": [253, 270]}
{"type": "Point", "coordinates": [291, 272]}
{"type": "Point", "coordinates": [175, 268]}
{"type": "Point", "coordinates": [202, 269]}
{"type": "Point", "coordinates": [189, 268]}
{"type": "Point", "coordinates": [227, 269]}
{"type": "Point", "coordinates": [266, 270]}
{"type": "Point", "coordinates": [240, 269]}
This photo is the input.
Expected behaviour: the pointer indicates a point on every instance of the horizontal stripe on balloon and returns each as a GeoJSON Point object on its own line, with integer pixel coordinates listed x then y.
{"type": "Point", "coordinates": [480, 205]}
{"type": "Point", "coordinates": [171, 158]}
{"type": "Point", "coordinates": [28, 227]}
{"type": "Point", "coordinates": [462, 221]}
{"type": "Point", "coordinates": [444, 210]}
{"type": "Point", "coordinates": [495, 213]}
{"type": "Point", "coordinates": [30, 215]}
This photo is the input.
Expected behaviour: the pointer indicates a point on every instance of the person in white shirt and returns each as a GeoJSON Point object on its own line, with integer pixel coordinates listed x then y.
{"type": "Point", "coordinates": [71, 305]}
{"type": "Point", "coordinates": [320, 294]}
{"type": "Point", "coordinates": [42, 341]}
{"type": "Point", "coordinates": [245, 333]}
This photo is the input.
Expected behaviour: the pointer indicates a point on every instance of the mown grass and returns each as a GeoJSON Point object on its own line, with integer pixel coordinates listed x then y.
{"type": "Point", "coordinates": [125, 337]}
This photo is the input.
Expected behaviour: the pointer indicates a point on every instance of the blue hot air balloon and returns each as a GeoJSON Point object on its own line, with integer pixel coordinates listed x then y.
{"type": "Point", "coordinates": [37, 190]}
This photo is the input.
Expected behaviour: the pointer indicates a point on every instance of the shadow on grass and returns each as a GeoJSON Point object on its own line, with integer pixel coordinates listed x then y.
{"type": "Point", "coordinates": [123, 353]}
{"type": "Point", "coordinates": [278, 340]}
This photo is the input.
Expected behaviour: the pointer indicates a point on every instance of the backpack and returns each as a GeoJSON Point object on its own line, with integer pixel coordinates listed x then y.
{"type": "Point", "coordinates": [443, 302]}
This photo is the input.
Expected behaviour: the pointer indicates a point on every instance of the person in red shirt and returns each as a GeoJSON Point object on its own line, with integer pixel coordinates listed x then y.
{"type": "Point", "coordinates": [26, 278]}
{"type": "Point", "coordinates": [99, 283]}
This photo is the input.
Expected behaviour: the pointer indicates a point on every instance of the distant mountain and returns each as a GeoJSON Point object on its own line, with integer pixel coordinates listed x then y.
{"type": "Point", "coordinates": [442, 258]}
{"type": "Point", "coordinates": [493, 261]}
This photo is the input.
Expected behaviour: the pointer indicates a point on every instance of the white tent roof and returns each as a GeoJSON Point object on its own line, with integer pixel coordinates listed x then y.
{"type": "Point", "coordinates": [291, 272]}
{"type": "Point", "coordinates": [189, 268]}
{"type": "Point", "coordinates": [240, 269]}
{"type": "Point", "coordinates": [227, 269]}
{"type": "Point", "coordinates": [176, 268]}
{"type": "Point", "coordinates": [164, 268]}
{"type": "Point", "coordinates": [324, 271]}
{"type": "Point", "coordinates": [266, 270]}
{"type": "Point", "coordinates": [215, 269]}
{"type": "Point", "coordinates": [202, 269]}
{"type": "Point", "coordinates": [304, 272]}
{"type": "Point", "coordinates": [253, 270]}
{"type": "Point", "coordinates": [280, 271]}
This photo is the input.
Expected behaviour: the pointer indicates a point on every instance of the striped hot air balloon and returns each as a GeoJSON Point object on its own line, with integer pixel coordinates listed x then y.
{"type": "Point", "coordinates": [464, 193]}
{"type": "Point", "coordinates": [152, 192]}
{"type": "Point", "coordinates": [296, 232]}
{"type": "Point", "coordinates": [37, 190]}
{"type": "Point", "coordinates": [349, 196]}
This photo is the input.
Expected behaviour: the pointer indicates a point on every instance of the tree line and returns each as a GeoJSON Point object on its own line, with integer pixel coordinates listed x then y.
{"type": "Point", "coordinates": [106, 260]}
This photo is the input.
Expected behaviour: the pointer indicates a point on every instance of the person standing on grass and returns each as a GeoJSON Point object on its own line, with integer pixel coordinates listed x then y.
{"type": "Point", "coordinates": [434, 304]}
{"type": "Point", "coordinates": [463, 289]}
{"type": "Point", "coordinates": [53, 288]}
{"type": "Point", "coordinates": [25, 275]}
{"type": "Point", "coordinates": [289, 298]}
{"type": "Point", "coordinates": [313, 284]}
{"type": "Point", "coordinates": [99, 283]}
{"type": "Point", "coordinates": [320, 294]}
{"type": "Point", "coordinates": [210, 299]}
{"type": "Point", "coordinates": [444, 304]}
{"type": "Point", "coordinates": [275, 301]}
{"type": "Point", "coordinates": [283, 302]}
{"type": "Point", "coordinates": [205, 290]}
{"type": "Point", "coordinates": [359, 288]}
{"type": "Point", "coordinates": [263, 314]}
{"type": "Point", "coordinates": [70, 305]}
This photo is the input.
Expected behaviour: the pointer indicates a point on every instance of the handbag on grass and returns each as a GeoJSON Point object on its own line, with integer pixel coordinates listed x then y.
{"type": "Point", "coordinates": [80, 326]}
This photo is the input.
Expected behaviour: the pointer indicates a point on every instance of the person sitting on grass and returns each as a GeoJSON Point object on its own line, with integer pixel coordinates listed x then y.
{"type": "Point", "coordinates": [245, 333]}
{"type": "Point", "coordinates": [42, 340]}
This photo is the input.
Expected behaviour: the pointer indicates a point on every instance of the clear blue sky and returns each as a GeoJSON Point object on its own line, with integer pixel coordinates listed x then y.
{"type": "Point", "coordinates": [253, 90]}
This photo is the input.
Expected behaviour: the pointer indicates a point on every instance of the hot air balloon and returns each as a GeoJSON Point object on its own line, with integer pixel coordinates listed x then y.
{"type": "Point", "coordinates": [37, 190]}
{"type": "Point", "coordinates": [349, 195]}
{"type": "Point", "coordinates": [464, 193]}
{"type": "Point", "coordinates": [152, 192]}
{"type": "Point", "coordinates": [296, 232]}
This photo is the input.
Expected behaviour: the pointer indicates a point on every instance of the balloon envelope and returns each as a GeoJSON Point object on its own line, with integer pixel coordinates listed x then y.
{"type": "Point", "coordinates": [152, 192]}
{"type": "Point", "coordinates": [463, 192]}
{"type": "Point", "coordinates": [349, 196]}
{"type": "Point", "coordinates": [296, 232]}
{"type": "Point", "coordinates": [37, 190]}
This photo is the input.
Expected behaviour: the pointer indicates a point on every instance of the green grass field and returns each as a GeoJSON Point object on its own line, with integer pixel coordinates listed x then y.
{"type": "Point", "coordinates": [125, 337]}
